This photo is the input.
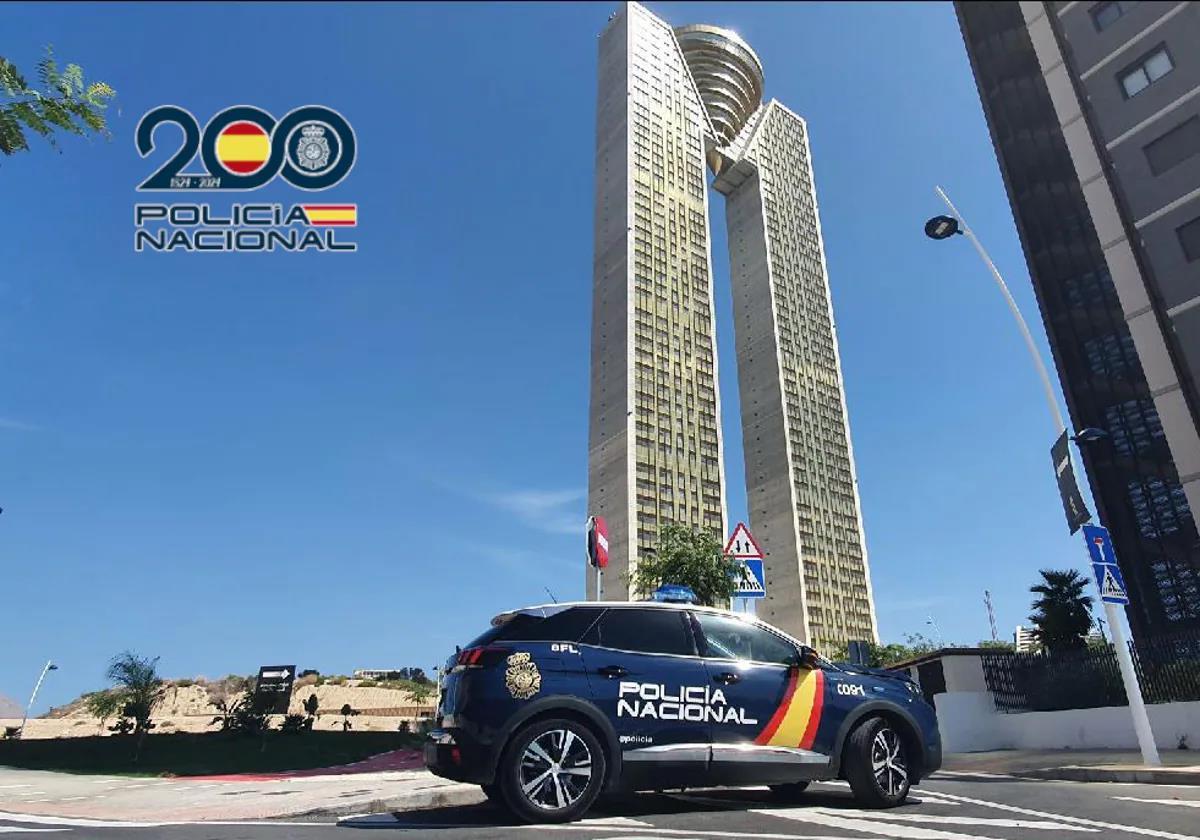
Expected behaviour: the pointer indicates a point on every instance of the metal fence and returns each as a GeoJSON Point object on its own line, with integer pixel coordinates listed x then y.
{"type": "Point", "coordinates": [1168, 668]}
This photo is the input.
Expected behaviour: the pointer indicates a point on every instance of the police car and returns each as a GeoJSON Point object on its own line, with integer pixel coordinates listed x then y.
{"type": "Point", "coordinates": [555, 704]}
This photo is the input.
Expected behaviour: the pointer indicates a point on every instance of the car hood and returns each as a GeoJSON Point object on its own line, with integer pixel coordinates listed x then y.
{"type": "Point", "coordinates": [852, 668]}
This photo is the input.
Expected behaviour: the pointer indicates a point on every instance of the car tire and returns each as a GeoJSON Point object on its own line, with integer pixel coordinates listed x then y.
{"type": "Point", "coordinates": [790, 792]}
{"type": "Point", "coordinates": [876, 764]}
{"type": "Point", "coordinates": [551, 771]}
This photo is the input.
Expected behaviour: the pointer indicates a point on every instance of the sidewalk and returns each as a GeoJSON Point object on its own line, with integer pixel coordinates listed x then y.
{"type": "Point", "coordinates": [1180, 767]}
{"type": "Point", "coordinates": [338, 792]}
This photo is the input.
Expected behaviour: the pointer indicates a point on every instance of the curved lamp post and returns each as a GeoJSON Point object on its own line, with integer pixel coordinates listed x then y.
{"type": "Point", "coordinates": [944, 227]}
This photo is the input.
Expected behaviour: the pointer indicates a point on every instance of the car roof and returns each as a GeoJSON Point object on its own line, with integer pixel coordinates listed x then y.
{"type": "Point", "coordinates": [546, 610]}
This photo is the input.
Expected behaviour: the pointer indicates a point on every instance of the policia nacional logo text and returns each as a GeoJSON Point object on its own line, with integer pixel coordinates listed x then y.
{"type": "Point", "coordinates": [241, 149]}
{"type": "Point", "coordinates": [696, 703]}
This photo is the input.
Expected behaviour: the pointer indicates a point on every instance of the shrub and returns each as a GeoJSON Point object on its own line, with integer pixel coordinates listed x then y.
{"type": "Point", "coordinates": [368, 684]}
{"type": "Point", "coordinates": [184, 683]}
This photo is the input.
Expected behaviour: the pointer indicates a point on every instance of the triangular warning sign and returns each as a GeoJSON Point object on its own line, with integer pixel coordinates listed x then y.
{"type": "Point", "coordinates": [741, 544]}
{"type": "Point", "coordinates": [1110, 588]}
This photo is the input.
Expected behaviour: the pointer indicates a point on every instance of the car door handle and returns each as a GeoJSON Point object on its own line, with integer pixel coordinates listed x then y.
{"type": "Point", "coordinates": [727, 678]}
{"type": "Point", "coordinates": [613, 671]}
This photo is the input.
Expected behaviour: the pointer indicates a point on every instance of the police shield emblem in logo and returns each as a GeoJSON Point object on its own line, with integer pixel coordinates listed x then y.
{"type": "Point", "coordinates": [522, 677]}
{"type": "Point", "coordinates": [312, 150]}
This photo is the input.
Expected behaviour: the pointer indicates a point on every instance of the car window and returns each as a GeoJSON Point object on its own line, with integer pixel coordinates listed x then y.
{"type": "Point", "coordinates": [731, 638]}
{"type": "Point", "coordinates": [643, 631]}
{"type": "Point", "coordinates": [565, 626]}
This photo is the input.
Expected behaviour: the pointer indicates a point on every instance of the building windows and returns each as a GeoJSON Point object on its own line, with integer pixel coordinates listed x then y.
{"type": "Point", "coordinates": [1189, 238]}
{"type": "Point", "coordinates": [1105, 15]}
{"type": "Point", "coordinates": [1174, 147]}
{"type": "Point", "coordinates": [1148, 70]}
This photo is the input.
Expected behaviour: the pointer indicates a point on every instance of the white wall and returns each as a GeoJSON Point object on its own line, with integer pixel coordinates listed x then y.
{"type": "Point", "coordinates": [969, 723]}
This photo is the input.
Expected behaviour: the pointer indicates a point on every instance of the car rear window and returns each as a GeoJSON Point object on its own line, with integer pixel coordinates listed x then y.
{"type": "Point", "coordinates": [569, 625]}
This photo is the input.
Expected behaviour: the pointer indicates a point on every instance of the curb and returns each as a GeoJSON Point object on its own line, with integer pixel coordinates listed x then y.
{"type": "Point", "coordinates": [1141, 775]}
{"type": "Point", "coordinates": [445, 796]}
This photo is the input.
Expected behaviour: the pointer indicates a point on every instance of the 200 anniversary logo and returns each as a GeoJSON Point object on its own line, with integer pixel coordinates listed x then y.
{"type": "Point", "coordinates": [244, 148]}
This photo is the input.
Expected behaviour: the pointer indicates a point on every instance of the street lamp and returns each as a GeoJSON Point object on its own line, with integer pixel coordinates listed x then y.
{"type": "Point", "coordinates": [943, 227]}
{"type": "Point", "coordinates": [50, 666]}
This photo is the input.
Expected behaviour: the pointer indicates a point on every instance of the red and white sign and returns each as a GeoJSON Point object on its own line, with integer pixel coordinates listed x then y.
{"type": "Point", "coordinates": [597, 541]}
{"type": "Point", "coordinates": [742, 545]}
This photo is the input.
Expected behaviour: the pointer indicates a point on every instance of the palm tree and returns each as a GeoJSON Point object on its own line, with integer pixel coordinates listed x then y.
{"type": "Point", "coordinates": [1062, 615]}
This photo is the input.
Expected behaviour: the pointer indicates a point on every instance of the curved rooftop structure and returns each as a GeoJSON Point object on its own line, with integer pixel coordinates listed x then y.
{"type": "Point", "coordinates": [728, 75]}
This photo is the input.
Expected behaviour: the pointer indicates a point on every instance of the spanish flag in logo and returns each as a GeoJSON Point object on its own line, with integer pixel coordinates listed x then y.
{"type": "Point", "coordinates": [243, 147]}
{"type": "Point", "coordinates": [331, 214]}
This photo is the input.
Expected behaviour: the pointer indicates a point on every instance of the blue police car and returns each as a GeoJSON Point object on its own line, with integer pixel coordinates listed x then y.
{"type": "Point", "coordinates": [555, 704]}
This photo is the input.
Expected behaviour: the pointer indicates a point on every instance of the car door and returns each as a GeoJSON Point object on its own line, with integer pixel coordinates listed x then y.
{"type": "Point", "coordinates": [767, 708]}
{"type": "Point", "coordinates": [642, 667]}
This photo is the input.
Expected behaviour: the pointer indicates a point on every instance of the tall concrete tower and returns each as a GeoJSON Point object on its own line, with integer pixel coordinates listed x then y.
{"type": "Point", "coordinates": [671, 101]}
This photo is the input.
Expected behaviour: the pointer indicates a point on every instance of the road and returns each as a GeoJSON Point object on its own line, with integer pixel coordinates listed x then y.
{"type": "Point", "coordinates": [948, 807]}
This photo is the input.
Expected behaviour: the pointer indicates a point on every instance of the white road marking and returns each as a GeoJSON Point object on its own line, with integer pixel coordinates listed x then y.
{"type": "Point", "coordinates": [955, 819]}
{"type": "Point", "coordinates": [1013, 809]}
{"type": "Point", "coordinates": [13, 787]}
{"type": "Point", "coordinates": [1186, 803]}
{"type": "Point", "coordinates": [976, 774]}
{"type": "Point", "coordinates": [680, 832]}
{"type": "Point", "coordinates": [12, 829]}
{"type": "Point", "coordinates": [835, 820]}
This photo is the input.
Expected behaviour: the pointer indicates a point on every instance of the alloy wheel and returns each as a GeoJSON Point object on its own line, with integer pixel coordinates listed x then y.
{"type": "Point", "coordinates": [887, 761]}
{"type": "Point", "coordinates": [556, 768]}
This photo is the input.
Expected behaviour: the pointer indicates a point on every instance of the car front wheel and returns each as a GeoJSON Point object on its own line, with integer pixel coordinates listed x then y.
{"type": "Point", "coordinates": [552, 771]}
{"type": "Point", "coordinates": [876, 762]}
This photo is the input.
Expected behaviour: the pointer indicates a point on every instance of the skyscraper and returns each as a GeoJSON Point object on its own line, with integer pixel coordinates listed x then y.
{"type": "Point", "coordinates": [670, 102]}
{"type": "Point", "coordinates": [1094, 113]}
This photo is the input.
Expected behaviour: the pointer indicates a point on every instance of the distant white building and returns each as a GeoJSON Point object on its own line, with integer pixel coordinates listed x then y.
{"type": "Point", "coordinates": [1024, 641]}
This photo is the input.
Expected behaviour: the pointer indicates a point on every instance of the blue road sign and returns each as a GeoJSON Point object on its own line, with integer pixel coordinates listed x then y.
{"type": "Point", "coordinates": [1104, 565]}
{"type": "Point", "coordinates": [753, 582]}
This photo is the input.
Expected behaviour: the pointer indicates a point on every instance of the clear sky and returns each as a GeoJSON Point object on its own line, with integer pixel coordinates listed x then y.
{"type": "Point", "coordinates": [346, 461]}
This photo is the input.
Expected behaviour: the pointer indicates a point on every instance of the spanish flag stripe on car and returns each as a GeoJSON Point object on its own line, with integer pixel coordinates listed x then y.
{"type": "Point", "coordinates": [795, 722]}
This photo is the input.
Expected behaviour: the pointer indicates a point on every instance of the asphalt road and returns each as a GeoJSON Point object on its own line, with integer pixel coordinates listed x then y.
{"type": "Point", "coordinates": [949, 807]}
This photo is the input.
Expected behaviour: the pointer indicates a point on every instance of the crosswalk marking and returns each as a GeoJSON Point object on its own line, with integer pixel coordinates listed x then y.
{"type": "Point", "coordinates": [1014, 809]}
{"type": "Point", "coordinates": [855, 823]}
{"type": "Point", "coordinates": [1186, 803]}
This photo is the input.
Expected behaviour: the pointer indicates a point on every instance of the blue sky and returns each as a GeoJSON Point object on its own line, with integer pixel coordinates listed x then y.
{"type": "Point", "coordinates": [350, 461]}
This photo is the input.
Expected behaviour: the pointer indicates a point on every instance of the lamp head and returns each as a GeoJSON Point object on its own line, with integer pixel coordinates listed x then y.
{"type": "Point", "coordinates": [941, 227]}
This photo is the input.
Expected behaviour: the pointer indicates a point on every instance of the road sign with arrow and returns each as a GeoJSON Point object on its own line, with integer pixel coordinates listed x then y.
{"type": "Point", "coordinates": [273, 691]}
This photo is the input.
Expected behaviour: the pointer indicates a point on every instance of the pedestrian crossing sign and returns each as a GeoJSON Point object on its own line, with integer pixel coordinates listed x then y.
{"type": "Point", "coordinates": [1104, 565]}
{"type": "Point", "coordinates": [751, 582]}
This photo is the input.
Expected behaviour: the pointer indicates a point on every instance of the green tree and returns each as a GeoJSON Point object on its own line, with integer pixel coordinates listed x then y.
{"type": "Point", "coordinates": [882, 656]}
{"type": "Point", "coordinates": [689, 558]}
{"type": "Point", "coordinates": [137, 691]}
{"type": "Point", "coordinates": [64, 101]}
{"type": "Point", "coordinates": [997, 644]}
{"type": "Point", "coordinates": [1062, 614]}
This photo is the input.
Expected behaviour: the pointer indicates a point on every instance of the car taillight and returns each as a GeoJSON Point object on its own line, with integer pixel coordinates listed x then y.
{"type": "Point", "coordinates": [481, 657]}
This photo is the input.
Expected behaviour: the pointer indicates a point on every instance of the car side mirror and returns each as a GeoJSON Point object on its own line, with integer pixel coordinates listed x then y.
{"type": "Point", "coordinates": [806, 658]}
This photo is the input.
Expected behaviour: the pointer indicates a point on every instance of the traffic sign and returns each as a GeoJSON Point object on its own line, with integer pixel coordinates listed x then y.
{"type": "Point", "coordinates": [741, 544]}
{"type": "Point", "coordinates": [597, 541]}
{"type": "Point", "coordinates": [273, 691]}
{"type": "Point", "coordinates": [1104, 565]}
{"type": "Point", "coordinates": [752, 582]}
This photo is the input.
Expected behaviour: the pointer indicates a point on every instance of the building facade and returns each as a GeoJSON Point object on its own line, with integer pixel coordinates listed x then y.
{"type": "Point", "coordinates": [1094, 111]}
{"type": "Point", "coordinates": [697, 93]}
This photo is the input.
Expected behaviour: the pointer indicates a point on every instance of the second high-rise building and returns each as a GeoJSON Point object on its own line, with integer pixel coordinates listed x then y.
{"type": "Point", "coordinates": [672, 101]}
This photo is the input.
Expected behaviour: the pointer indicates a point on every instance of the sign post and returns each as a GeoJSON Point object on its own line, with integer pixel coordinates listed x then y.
{"type": "Point", "coordinates": [597, 550]}
{"type": "Point", "coordinates": [1112, 593]}
{"type": "Point", "coordinates": [751, 578]}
